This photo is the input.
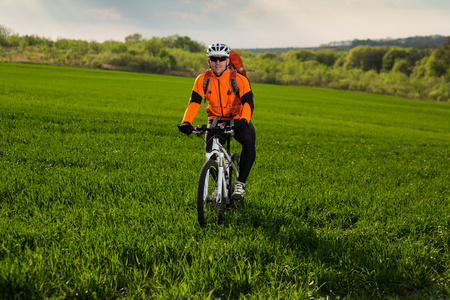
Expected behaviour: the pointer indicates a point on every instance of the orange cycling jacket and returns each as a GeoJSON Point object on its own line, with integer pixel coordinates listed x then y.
{"type": "Point", "coordinates": [221, 97]}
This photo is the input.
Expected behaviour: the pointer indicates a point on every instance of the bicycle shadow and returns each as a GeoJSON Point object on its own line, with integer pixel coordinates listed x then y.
{"type": "Point", "coordinates": [287, 229]}
{"type": "Point", "coordinates": [340, 257]}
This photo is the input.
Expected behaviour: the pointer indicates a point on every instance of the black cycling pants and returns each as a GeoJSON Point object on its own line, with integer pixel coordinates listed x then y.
{"type": "Point", "coordinates": [246, 138]}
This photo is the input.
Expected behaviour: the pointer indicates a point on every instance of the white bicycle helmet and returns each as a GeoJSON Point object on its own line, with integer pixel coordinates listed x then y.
{"type": "Point", "coordinates": [218, 49]}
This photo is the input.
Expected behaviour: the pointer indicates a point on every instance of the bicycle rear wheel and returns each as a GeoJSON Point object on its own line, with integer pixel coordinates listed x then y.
{"type": "Point", "coordinates": [208, 209]}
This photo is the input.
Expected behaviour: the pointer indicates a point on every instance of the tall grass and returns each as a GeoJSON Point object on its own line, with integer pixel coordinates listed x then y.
{"type": "Point", "coordinates": [348, 197]}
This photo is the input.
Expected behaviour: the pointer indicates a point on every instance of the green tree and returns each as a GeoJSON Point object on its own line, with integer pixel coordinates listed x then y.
{"type": "Point", "coordinates": [31, 40]}
{"type": "Point", "coordinates": [415, 55]}
{"type": "Point", "coordinates": [14, 40]}
{"type": "Point", "coordinates": [402, 66]}
{"type": "Point", "coordinates": [95, 46]}
{"type": "Point", "coordinates": [326, 57]}
{"type": "Point", "coordinates": [62, 44]}
{"type": "Point", "coordinates": [304, 55]}
{"type": "Point", "coordinates": [340, 60]}
{"type": "Point", "coordinates": [268, 55]}
{"type": "Point", "coordinates": [154, 46]}
{"type": "Point", "coordinates": [373, 59]}
{"type": "Point", "coordinates": [5, 31]}
{"type": "Point", "coordinates": [169, 59]}
{"type": "Point", "coordinates": [406, 65]}
{"type": "Point", "coordinates": [120, 48]}
{"type": "Point", "coordinates": [440, 64]}
{"type": "Point", "coordinates": [391, 56]}
{"type": "Point", "coordinates": [169, 41]}
{"type": "Point", "coordinates": [134, 38]}
{"type": "Point", "coordinates": [182, 42]}
{"type": "Point", "coordinates": [355, 58]}
{"type": "Point", "coordinates": [79, 46]}
{"type": "Point", "coordinates": [420, 69]}
{"type": "Point", "coordinates": [185, 43]}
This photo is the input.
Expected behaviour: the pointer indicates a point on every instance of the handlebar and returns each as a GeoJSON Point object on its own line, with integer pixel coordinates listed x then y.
{"type": "Point", "coordinates": [221, 128]}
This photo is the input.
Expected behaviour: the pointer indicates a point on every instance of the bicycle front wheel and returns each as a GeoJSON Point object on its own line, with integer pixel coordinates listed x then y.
{"type": "Point", "coordinates": [208, 208]}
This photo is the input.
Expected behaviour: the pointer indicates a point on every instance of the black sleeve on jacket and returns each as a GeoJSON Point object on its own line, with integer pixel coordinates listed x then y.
{"type": "Point", "coordinates": [196, 98]}
{"type": "Point", "coordinates": [248, 98]}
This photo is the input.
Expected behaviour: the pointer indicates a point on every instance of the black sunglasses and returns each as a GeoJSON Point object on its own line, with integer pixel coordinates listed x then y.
{"type": "Point", "coordinates": [215, 58]}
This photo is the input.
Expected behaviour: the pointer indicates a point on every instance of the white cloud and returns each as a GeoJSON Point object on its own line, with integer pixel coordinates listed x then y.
{"type": "Point", "coordinates": [241, 23]}
{"type": "Point", "coordinates": [107, 13]}
{"type": "Point", "coordinates": [214, 6]}
{"type": "Point", "coordinates": [178, 15]}
{"type": "Point", "coordinates": [18, 2]}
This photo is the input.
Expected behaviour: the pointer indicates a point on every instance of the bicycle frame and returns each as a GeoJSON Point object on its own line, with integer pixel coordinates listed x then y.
{"type": "Point", "coordinates": [223, 159]}
{"type": "Point", "coordinates": [217, 175]}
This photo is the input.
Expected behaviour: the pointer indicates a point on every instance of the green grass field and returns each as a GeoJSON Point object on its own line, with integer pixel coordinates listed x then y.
{"type": "Point", "coordinates": [348, 197]}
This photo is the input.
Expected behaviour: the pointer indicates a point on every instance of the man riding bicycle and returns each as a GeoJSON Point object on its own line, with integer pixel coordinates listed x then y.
{"type": "Point", "coordinates": [229, 97]}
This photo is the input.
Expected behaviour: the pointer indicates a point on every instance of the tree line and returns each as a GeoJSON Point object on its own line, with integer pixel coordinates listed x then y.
{"type": "Point", "coordinates": [420, 42]}
{"type": "Point", "coordinates": [420, 73]}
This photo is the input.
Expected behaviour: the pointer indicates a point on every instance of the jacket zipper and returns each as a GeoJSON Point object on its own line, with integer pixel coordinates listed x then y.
{"type": "Point", "coordinates": [220, 97]}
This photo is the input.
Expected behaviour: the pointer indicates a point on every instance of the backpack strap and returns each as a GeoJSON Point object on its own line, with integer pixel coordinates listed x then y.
{"type": "Point", "coordinates": [241, 70]}
{"type": "Point", "coordinates": [233, 82]}
{"type": "Point", "coordinates": [233, 86]}
{"type": "Point", "coordinates": [249, 70]}
{"type": "Point", "coordinates": [206, 84]}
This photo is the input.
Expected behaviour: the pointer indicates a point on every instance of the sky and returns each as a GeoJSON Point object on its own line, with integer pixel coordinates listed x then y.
{"type": "Point", "coordinates": [238, 23]}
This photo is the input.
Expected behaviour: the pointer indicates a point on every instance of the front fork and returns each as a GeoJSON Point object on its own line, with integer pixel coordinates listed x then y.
{"type": "Point", "coordinates": [222, 191]}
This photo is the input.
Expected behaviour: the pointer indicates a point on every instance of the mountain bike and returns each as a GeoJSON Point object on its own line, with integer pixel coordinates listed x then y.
{"type": "Point", "coordinates": [217, 177]}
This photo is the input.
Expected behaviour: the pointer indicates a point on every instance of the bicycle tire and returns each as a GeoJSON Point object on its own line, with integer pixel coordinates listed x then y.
{"type": "Point", "coordinates": [208, 210]}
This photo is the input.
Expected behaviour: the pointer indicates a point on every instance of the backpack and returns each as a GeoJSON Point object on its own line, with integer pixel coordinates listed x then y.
{"type": "Point", "coordinates": [236, 63]}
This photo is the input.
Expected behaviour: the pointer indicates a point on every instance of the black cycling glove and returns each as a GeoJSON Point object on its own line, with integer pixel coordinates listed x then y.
{"type": "Point", "coordinates": [240, 125]}
{"type": "Point", "coordinates": [186, 128]}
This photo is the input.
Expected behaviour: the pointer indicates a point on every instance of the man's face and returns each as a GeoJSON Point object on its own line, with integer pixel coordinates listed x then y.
{"type": "Point", "coordinates": [218, 64]}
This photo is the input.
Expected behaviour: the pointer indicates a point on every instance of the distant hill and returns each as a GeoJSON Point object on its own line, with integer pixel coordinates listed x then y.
{"type": "Point", "coordinates": [419, 42]}
{"type": "Point", "coordinates": [276, 50]}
